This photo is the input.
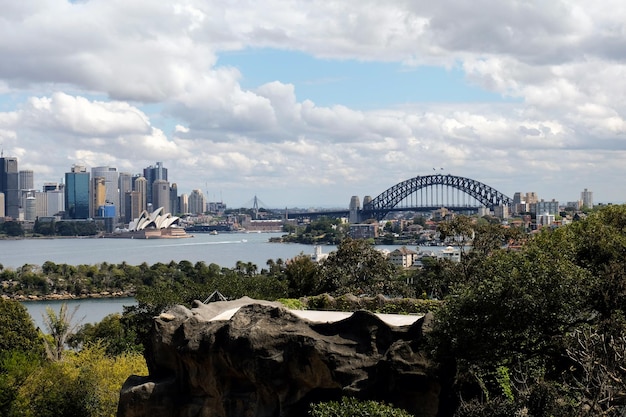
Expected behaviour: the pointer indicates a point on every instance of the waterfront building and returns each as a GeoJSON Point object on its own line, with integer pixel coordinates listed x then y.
{"type": "Point", "coordinates": [586, 197]}
{"type": "Point", "coordinates": [152, 174]}
{"type": "Point", "coordinates": [215, 207]}
{"type": "Point", "coordinates": [158, 224]}
{"type": "Point", "coordinates": [363, 231]}
{"type": "Point", "coordinates": [450, 253]}
{"type": "Point", "coordinates": [9, 179]}
{"type": "Point", "coordinates": [77, 190]}
{"type": "Point", "coordinates": [161, 195]}
{"type": "Point", "coordinates": [403, 257]}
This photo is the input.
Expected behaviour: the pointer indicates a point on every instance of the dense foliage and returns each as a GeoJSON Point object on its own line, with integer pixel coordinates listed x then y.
{"type": "Point", "coordinates": [83, 382]}
{"type": "Point", "coordinates": [537, 331]}
{"type": "Point", "coordinates": [350, 407]}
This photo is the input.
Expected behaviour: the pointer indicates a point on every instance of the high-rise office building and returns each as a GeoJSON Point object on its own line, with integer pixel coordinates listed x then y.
{"type": "Point", "coordinates": [53, 186]}
{"type": "Point", "coordinates": [161, 195]}
{"type": "Point", "coordinates": [98, 195]}
{"type": "Point", "coordinates": [183, 203]}
{"type": "Point", "coordinates": [77, 190]}
{"type": "Point", "coordinates": [30, 208]}
{"type": "Point", "coordinates": [125, 185]}
{"type": "Point", "coordinates": [197, 202]}
{"type": "Point", "coordinates": [9, 179]}
{"type": "Point", "coordinates": [141, 186]}
{"type": "Point", "coordinates": [26, 180]}
{"type": "Point", "coordinates": [54, 203]}
{"type": "Point", "coordinates": [111, 184]}
{"type": "Point", "coordinates": [132, 206]}
{"type": "Point", "coordinates": [174, 209]}
{"type": "Point", "coordinates": [587, 198]}
{"type": "Point", "coordinates": [151, 174]}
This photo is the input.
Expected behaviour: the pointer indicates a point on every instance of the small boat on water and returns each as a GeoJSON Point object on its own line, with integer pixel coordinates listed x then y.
{"type": "Point", "coordinates": [213, 232]}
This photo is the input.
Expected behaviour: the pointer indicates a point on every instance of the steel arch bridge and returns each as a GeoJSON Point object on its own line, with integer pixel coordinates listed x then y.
{"type": "Point", "coordinates": [439, 186]}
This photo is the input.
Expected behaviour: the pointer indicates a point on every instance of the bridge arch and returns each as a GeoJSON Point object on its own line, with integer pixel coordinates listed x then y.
{"type": "Point", "coordinates": [386, 201]}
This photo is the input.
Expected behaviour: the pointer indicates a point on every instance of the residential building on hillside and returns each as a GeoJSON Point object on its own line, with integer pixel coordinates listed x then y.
{"type": "Point", "coordinates": [403, 257]}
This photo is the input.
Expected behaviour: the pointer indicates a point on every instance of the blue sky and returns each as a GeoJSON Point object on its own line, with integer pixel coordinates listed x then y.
{"type": "Point", "coordinates": [357, 84]}
{"type": "Point", "coordinates": [307, 103]}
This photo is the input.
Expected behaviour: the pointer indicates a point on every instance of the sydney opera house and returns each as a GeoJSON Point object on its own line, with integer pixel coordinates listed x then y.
{"type": "Point", "coordinates": [155, 225]}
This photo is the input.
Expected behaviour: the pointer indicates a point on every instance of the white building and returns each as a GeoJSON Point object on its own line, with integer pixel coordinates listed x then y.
{"type": "Point", "coordinates": [453, 254]}
{"type": "Point", "coordinates": [403, 257]}
{"type": "Point", "coordinates": [587, 198]}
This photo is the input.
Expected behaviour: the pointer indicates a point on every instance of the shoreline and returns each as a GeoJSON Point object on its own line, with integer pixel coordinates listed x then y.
{"type": "Point", "coordinates": [62, 297]}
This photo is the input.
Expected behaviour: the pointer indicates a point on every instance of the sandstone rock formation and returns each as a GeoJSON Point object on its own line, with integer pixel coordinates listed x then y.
{"type": "Point", "coordinates": [255, 358]}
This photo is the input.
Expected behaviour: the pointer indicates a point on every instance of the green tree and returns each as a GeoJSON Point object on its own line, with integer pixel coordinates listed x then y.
{"type": "Point", "coordinates": [351, 407]}
{"type": "Point", "coordinates": [303, 276]}
{"type": "Point", "coordinates": [17, 330]}
{"type": "Point", "coordinates": [111, 332]}
{"type": "Point", "coordinates": [60, 327]}
{"type": "Point", "coordinates": [85, 383]}
{"type": "Point", "coordinates": [16, 366]}
{"type": "Point", "coordinates": [356, 266]}
{"type": "Point", "coordinates": [13, 228]}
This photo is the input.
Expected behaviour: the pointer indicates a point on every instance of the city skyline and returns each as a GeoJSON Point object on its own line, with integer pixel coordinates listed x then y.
{"type": "Point", "coordinates": [115, 187]}
{"type": "Point", "coordinates": [309, 103]}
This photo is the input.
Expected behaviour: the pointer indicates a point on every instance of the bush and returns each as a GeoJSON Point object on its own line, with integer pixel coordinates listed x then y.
{"type": "Point", "coordinates": [351, 407]}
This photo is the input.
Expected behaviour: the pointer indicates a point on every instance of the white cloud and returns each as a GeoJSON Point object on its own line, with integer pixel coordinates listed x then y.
{"type": "Point", "coordinates": [128, 83]}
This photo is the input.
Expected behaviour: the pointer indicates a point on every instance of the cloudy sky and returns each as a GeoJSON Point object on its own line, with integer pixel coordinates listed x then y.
{"type": "Point", "coordinates": [306, 103]}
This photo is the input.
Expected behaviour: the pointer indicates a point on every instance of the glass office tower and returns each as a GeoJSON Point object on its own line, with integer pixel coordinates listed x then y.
{"type": "Point", "coordinates": [77, 193]}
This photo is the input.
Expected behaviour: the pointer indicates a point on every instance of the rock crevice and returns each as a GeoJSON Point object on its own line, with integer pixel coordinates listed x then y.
{"type": "Point", "coordinates": [255, 358]}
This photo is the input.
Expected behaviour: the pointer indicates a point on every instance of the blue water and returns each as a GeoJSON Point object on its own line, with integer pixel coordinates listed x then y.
{"type": "Point", "coordinates": [85, 311]}
{"type": "Point", "coordinates": [223, 249]}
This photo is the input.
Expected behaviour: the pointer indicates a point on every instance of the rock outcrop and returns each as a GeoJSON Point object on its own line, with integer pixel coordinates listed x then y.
{"type": "Point", "coordinates": [255, 358]}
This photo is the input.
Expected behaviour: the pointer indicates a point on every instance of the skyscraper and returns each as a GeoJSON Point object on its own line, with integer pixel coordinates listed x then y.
{"type": "Point", "coordinates": [26, 180]}
{"type": "Point", "coordinates": [111, 184]}
{"type": "Point", "coordinates": [151, 174]}
{"type": "Point", "coordinates": [197, 203]}
{"type": "Point", "coordinates": [587, 198]}
{"type": "Point", "coordinates": [141, 186]}
{"type": "Point", "coordinates": [161, 195]}
{"type": "Point", "coordinates": [125, 185]}
{"type": "Point", "coordinates": [174, 199]}
{"type": "Point", "coordinates": [77, 189]}
{"type": "Point", "coordinates": [98, 195]}
{"type": "Point", "coordinates": [9, 186]}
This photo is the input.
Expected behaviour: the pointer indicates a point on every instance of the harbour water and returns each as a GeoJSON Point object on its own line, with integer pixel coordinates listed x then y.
{"type": "Point", "coordinates": [222, 249]}
{"type": "Point", "coordinates": [85, 311]}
